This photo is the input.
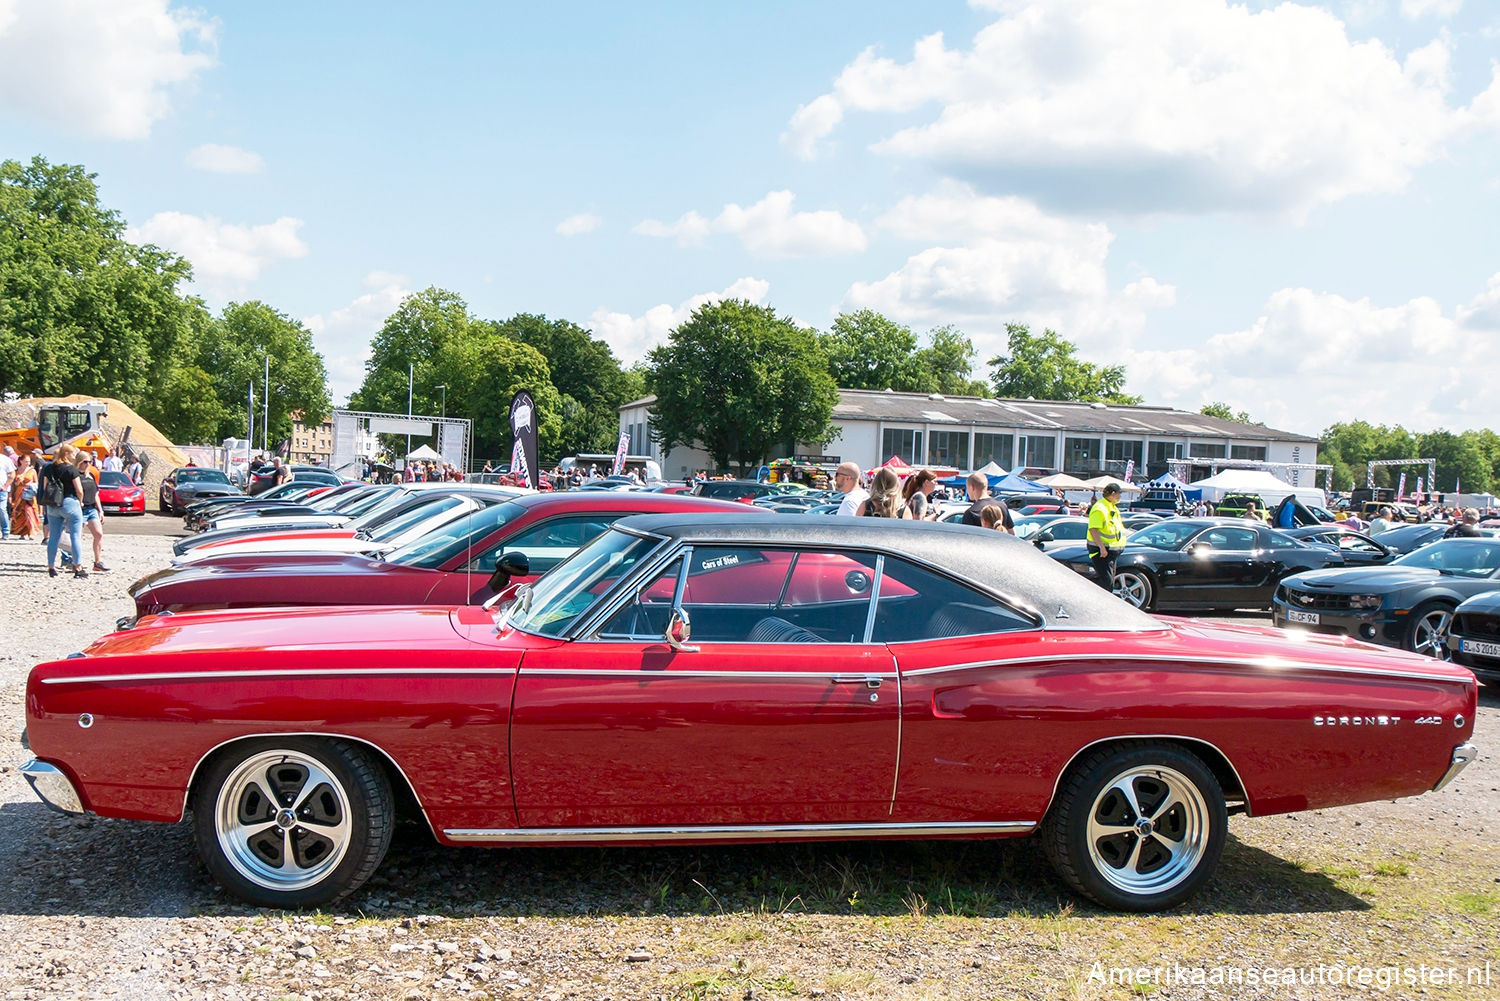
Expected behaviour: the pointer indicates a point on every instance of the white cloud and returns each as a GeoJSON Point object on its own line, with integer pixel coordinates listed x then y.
{"type": "Point", "coordinates": [104, 68]}
{"type": "Point", "coordinates": [225, 159]}
{"type": "Point", "coordinates": [1334, 360]}
{"type": "Point", "coordinates": [769, 228]}
{"type": "Point", "coordinates": [1004, 260]}
{"type": "Point", "coordinates": [1483, 312]}
{"type": "Point", "coordinates": [1438, 8]}
{"type": "Point", "coordinates": [1154, 105]}
{"type": "Point", "coordinates": [576, 225]}
{"type": "Point", "coordinates": [630, 337]}
{"type": "Point", "coordinates": [225, 256]}
{"type": "Point", "coordinates": [344, 335]}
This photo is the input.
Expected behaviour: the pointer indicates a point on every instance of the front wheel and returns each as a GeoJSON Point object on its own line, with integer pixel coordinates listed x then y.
{"type": "Point", "coordinates": [293, 821]}
{"type": "Point", "coordinates": [1428, 632]}
{"type": "Point", "coordinates": [1135, 587]}
{"type": "Point", "coordinates": [1137, 827]}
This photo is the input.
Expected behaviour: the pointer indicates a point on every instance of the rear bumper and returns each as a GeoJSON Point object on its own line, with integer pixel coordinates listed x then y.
{"type": "Point", "coordinates": [1463, 755]}
{"type": "Point", "coordinates": [52, 787]}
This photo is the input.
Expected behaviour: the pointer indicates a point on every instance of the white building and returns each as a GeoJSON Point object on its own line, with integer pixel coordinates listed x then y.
{"type": "Point", "coordinates": [1042, 436]}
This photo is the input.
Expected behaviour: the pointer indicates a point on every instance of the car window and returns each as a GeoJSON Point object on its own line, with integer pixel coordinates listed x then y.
{"type": "Point", "coordinates": [111, 479]}
{"type": "Point", "coordinates": [391, 529]}
{"type": "Point", "coordinates": [1355, 544]}
{"type": "Point", "coordinates": [917, 604]}
{"type": "Point", "coordinates": [757, 595]}
{"type": "Point", "coordinates": [1284, 541]}
{"type": "Point", "coordinates": [200, 476]}
{"type": "Point", "coordinates": [1165, 535]}
{"type": "Point", "coordinates": [433, 550]}
{"type": "Point", "coordinates": [547, 543]}
{"type": "Point", "coordinates": [553, 603]}
{"type": "Point", "coordinates": [1455, 557]}
{"type": "Point", "coordinates": [1229, 539]}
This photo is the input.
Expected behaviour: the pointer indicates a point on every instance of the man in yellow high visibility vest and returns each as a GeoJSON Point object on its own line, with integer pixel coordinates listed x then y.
{"type": "Point", "coordinates": [1106, 536]}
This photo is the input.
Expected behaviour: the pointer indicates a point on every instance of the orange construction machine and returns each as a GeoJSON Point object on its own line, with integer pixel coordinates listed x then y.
{"type": "Point", "coordinates": [76, 424]}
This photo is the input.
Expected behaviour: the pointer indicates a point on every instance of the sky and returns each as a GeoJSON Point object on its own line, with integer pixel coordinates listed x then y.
{"type": "Point", "coordinates": [1290, 208]}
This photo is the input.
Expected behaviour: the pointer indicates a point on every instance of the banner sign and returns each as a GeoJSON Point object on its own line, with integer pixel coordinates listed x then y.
{"type": "Point", "coordinates": [518, 465]}
{"type": "Point", "coordinates": [401, 425]}
{"type": "Point", "coordinates": [1129, 471]}
{"type": "Point", "coordinates": [1419, 489]}
{"type": "Point", "coordinates": [1401, 487]}
{"type": "Point", "coordinates": [523, 429]}
{"type": "Point", "coordinates": [621, 451]}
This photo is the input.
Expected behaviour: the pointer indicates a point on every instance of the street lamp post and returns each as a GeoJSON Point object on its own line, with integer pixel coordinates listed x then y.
{"type": "Point", "coordinates": [409, 369]}
{"type": "Point", "coordinates": [444, 387]}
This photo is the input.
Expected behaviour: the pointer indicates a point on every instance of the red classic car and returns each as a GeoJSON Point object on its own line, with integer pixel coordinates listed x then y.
{"type": "Point", "coordinates": [458, 564]}
{"type": "Point", "coordinates": [712, 678]}
{"type": "Point", "coordinates": [118, 495]}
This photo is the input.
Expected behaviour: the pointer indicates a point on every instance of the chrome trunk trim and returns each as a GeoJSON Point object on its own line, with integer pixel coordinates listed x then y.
{"type": "Point", "coordinates": [1463, 756]}
{"type": "Point", "coordinates": [768, 832]}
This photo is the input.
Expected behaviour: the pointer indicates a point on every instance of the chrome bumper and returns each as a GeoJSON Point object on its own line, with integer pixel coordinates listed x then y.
{"type": "Point", "coordinates": [52, 787]}
{"type": "Point", "coordinates": [1463, 754]}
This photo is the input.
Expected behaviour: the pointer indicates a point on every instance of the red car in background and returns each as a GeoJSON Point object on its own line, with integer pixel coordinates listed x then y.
{"type": "Point", "coordinates": [458, 564]}
{"type": "Point", "coordinates": [118, 495]}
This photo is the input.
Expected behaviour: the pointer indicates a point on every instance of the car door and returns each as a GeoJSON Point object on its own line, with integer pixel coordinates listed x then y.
{"type": "Point", "coordinates": [1224, 560]}
{"type": "Point", "coordinates": [775, 710]}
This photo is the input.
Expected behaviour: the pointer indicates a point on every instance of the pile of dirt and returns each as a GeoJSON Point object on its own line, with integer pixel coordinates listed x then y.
{"type": "Point", "coordinates": [157, 452]}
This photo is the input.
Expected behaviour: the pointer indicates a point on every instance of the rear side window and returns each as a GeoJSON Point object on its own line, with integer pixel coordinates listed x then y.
{"type": "Point", "coordinates": [916, 604]}
{"type": "Point", "coordinates": [548, 543]}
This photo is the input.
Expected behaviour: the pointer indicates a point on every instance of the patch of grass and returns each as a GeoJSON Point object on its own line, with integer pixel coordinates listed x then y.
{"type": "Point", "coordinates": [1341, 870]}
{"type": "Point", "coordinates": [1392, 869]}
{"type": "Point", "coordinates": [850, 981]}
{"type": "Point", "coordinates": [1474, 903]}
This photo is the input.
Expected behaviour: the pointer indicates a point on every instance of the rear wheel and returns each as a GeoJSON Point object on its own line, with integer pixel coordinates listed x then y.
{"type": "Point", "coordinates": [1137, 827]}
{"type": "Point", "coordinates": [1428, 632]}
{"type": "Point", "coordinates": [1135, 587]}
{"type": "Point", "coordinates": [293, 821]}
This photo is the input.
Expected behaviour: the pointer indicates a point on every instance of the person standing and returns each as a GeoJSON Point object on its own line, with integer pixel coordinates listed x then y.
{"type": "Point", "coordinates": [1106, 536]}
{"type": "Point", "coordinates": [25, 513]}
{"type": "Point", "coordinates": [918, 495]}
{"type": "Point", "coordinates": [979, 495]}
{"type": "Point", "coordinates": [846, 482]}
{"type": "Point", "coordinates": [93, 510]}
{"type": "Point", "coordinates": [135, 471]}
{"type": "Point", "coordinates": [885, 497]}
{"type": "Point", "coordinates": [1382, 522]}
{"type": "Point", "coordinates": [111, 463]}
{"type": "Point", "coordinates": [7, 477]}
{"type": "Point", "coordinates": [62, 499]}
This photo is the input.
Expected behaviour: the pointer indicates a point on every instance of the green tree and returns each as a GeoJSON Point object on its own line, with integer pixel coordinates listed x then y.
{"type": "Point", "coordinates": [81, 309]}
{"type": "Point", "coordinates": [1045, 368]}
{"type": "Point", "coordinates": [946, 365]}
{"type": "Point", "coordinates": [586, 374]}
{"type": "Point", "coordinates": [742, 383]}
{"type": "Point", "coordinates": [1222, 411]}
{"type": "Point", "coordinates": [1459, 460]}
{"type": "Point", "coordinates": [867, 350]}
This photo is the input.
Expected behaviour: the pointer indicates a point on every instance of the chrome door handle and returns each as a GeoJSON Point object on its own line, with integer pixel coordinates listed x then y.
{"type": "Point", "coordinates": [868, 681]}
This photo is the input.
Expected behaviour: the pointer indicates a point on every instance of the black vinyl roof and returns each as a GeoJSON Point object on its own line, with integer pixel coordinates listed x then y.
{"type": "Point", "coordinates": [995, 561]}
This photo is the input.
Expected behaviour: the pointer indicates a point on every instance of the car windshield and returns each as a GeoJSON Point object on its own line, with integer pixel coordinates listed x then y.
{"type": "Point", "coordinates": [558, 598]}
{"type": "Point", "coordinates": [1456, 557]}
{"type": "Point", "coordinates": [1166, 534]}
{"type": "Point", "coordinates": [450, 503]}
{"type": "Point", "coordinates": [201, 476]}
{"type": "Point", "coordinates": [455, 538]}
{"type": "Point", "coordinates": [371, 510]}
{"type": "Point", "coordinates": [114, 480]}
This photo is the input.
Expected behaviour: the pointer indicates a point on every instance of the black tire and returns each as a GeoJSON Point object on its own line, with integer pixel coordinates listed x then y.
{"type": "Point", "coordinates": [1151, 876]}
{"type": "Point", "coordinates": [1146, 590]}
{"type": "Point", "coordinates": [1418, 629]}
{"type": "Point", "coordinates": [335, 840]}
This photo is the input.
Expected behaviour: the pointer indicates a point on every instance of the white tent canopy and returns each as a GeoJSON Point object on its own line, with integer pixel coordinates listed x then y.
{"type": "Point", "coordinates": [1063, 480]}
{"type": "Point", "coordinates": [991, 469]}
{"type": "Point", "coordinates": [1266, 486]}
{"type": "Point", "coordinates": [423, 453]}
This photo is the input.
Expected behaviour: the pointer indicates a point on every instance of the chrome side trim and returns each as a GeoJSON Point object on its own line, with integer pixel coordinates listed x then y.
{"type": "Point", "coordinates": [900, 715]}
{"type": "Point", "coordinates": [52, 786]}
{"type": "Point", "coordinates": [1115, 738]}
{"type": "Point", "coordinates": [546, 835]}
{"type": "Point", "coordinates": [1463, 756]}
{"type": "Point", "coordinates": [588, 672]}
{"type": "Point", "coordinates": [1265, 664]}
{"type": "Point", "coordinates": [193, 776]}
{"type": "Point", "coordinates": [310, 672]}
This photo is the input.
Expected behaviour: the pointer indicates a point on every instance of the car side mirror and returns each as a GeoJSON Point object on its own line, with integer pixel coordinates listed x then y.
{"type": "Point", "coordinates": [509, 565]}
{"type": "Point", "coordinates": [1041, 537]}
{"type": "Point", "coordinates": [679, 631]}
{"type": "Point", "coordinates": [1199, 550]}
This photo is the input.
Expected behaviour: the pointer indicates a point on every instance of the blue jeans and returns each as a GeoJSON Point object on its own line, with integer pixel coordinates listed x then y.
{"type": "Point", "coordinates": [69, 516]}
{"type": "Point", "coordinates": [4, 514]}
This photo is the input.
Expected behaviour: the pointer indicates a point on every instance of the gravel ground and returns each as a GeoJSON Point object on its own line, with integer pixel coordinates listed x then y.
{"type": "Point", "coordinates": [93, 908]}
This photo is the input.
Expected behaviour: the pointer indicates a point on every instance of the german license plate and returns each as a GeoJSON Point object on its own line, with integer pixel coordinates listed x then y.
{"type": "Point", "coordinates": [1306, 618]}
{"type": "Point", "coordinates": [1480, 647]}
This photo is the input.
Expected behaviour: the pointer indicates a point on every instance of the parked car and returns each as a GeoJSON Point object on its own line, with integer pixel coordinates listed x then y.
{"type": "Point", "coordinates": [725, 678]}
{"type": "Point", "coordinates": [1474, 636]}
{"type": "Point", "coordinates": [1407, 538]}
{"type": "Point", "coordinates": [743, 491]}
{"type": "Point", "coordinates": [462, 563]}
{"type": "Point", "coordinates": [118, 494]}
{"type": "Point", "coordinates": [263, 477]}
{"type": "Point", "coordinates": [1204, 563]}
{"type": "Point", "coordinates": [190, 484]}
{"type": "Point", "coordinates": [1358, 548]}
{"type": "Point", "coordinates": [1408, 603]}
{"type": "Point", "coordinates": [1050, 531]}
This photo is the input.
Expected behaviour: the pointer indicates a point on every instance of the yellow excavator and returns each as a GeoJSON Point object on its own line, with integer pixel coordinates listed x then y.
{"type": "Point", "coordinates": [57, 424]}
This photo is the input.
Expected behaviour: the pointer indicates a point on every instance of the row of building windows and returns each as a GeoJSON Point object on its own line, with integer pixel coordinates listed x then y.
{"type": "Point", "coordinates": [1091, 455]}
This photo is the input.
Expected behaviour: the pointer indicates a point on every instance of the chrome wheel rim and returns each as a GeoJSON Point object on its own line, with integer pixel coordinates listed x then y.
{"type": "Point", "coordinates": [1430, 638]}
{"type": "Point", "coordinates": [1148, 829]}
{"type": "Point", "coordinates": [1133, 588]}
{"type": "Point", "coordinates": [282, 820]}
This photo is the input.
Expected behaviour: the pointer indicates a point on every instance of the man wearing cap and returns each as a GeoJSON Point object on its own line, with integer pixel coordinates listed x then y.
{"type": "Point", "coordinates": [1106, 536]}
